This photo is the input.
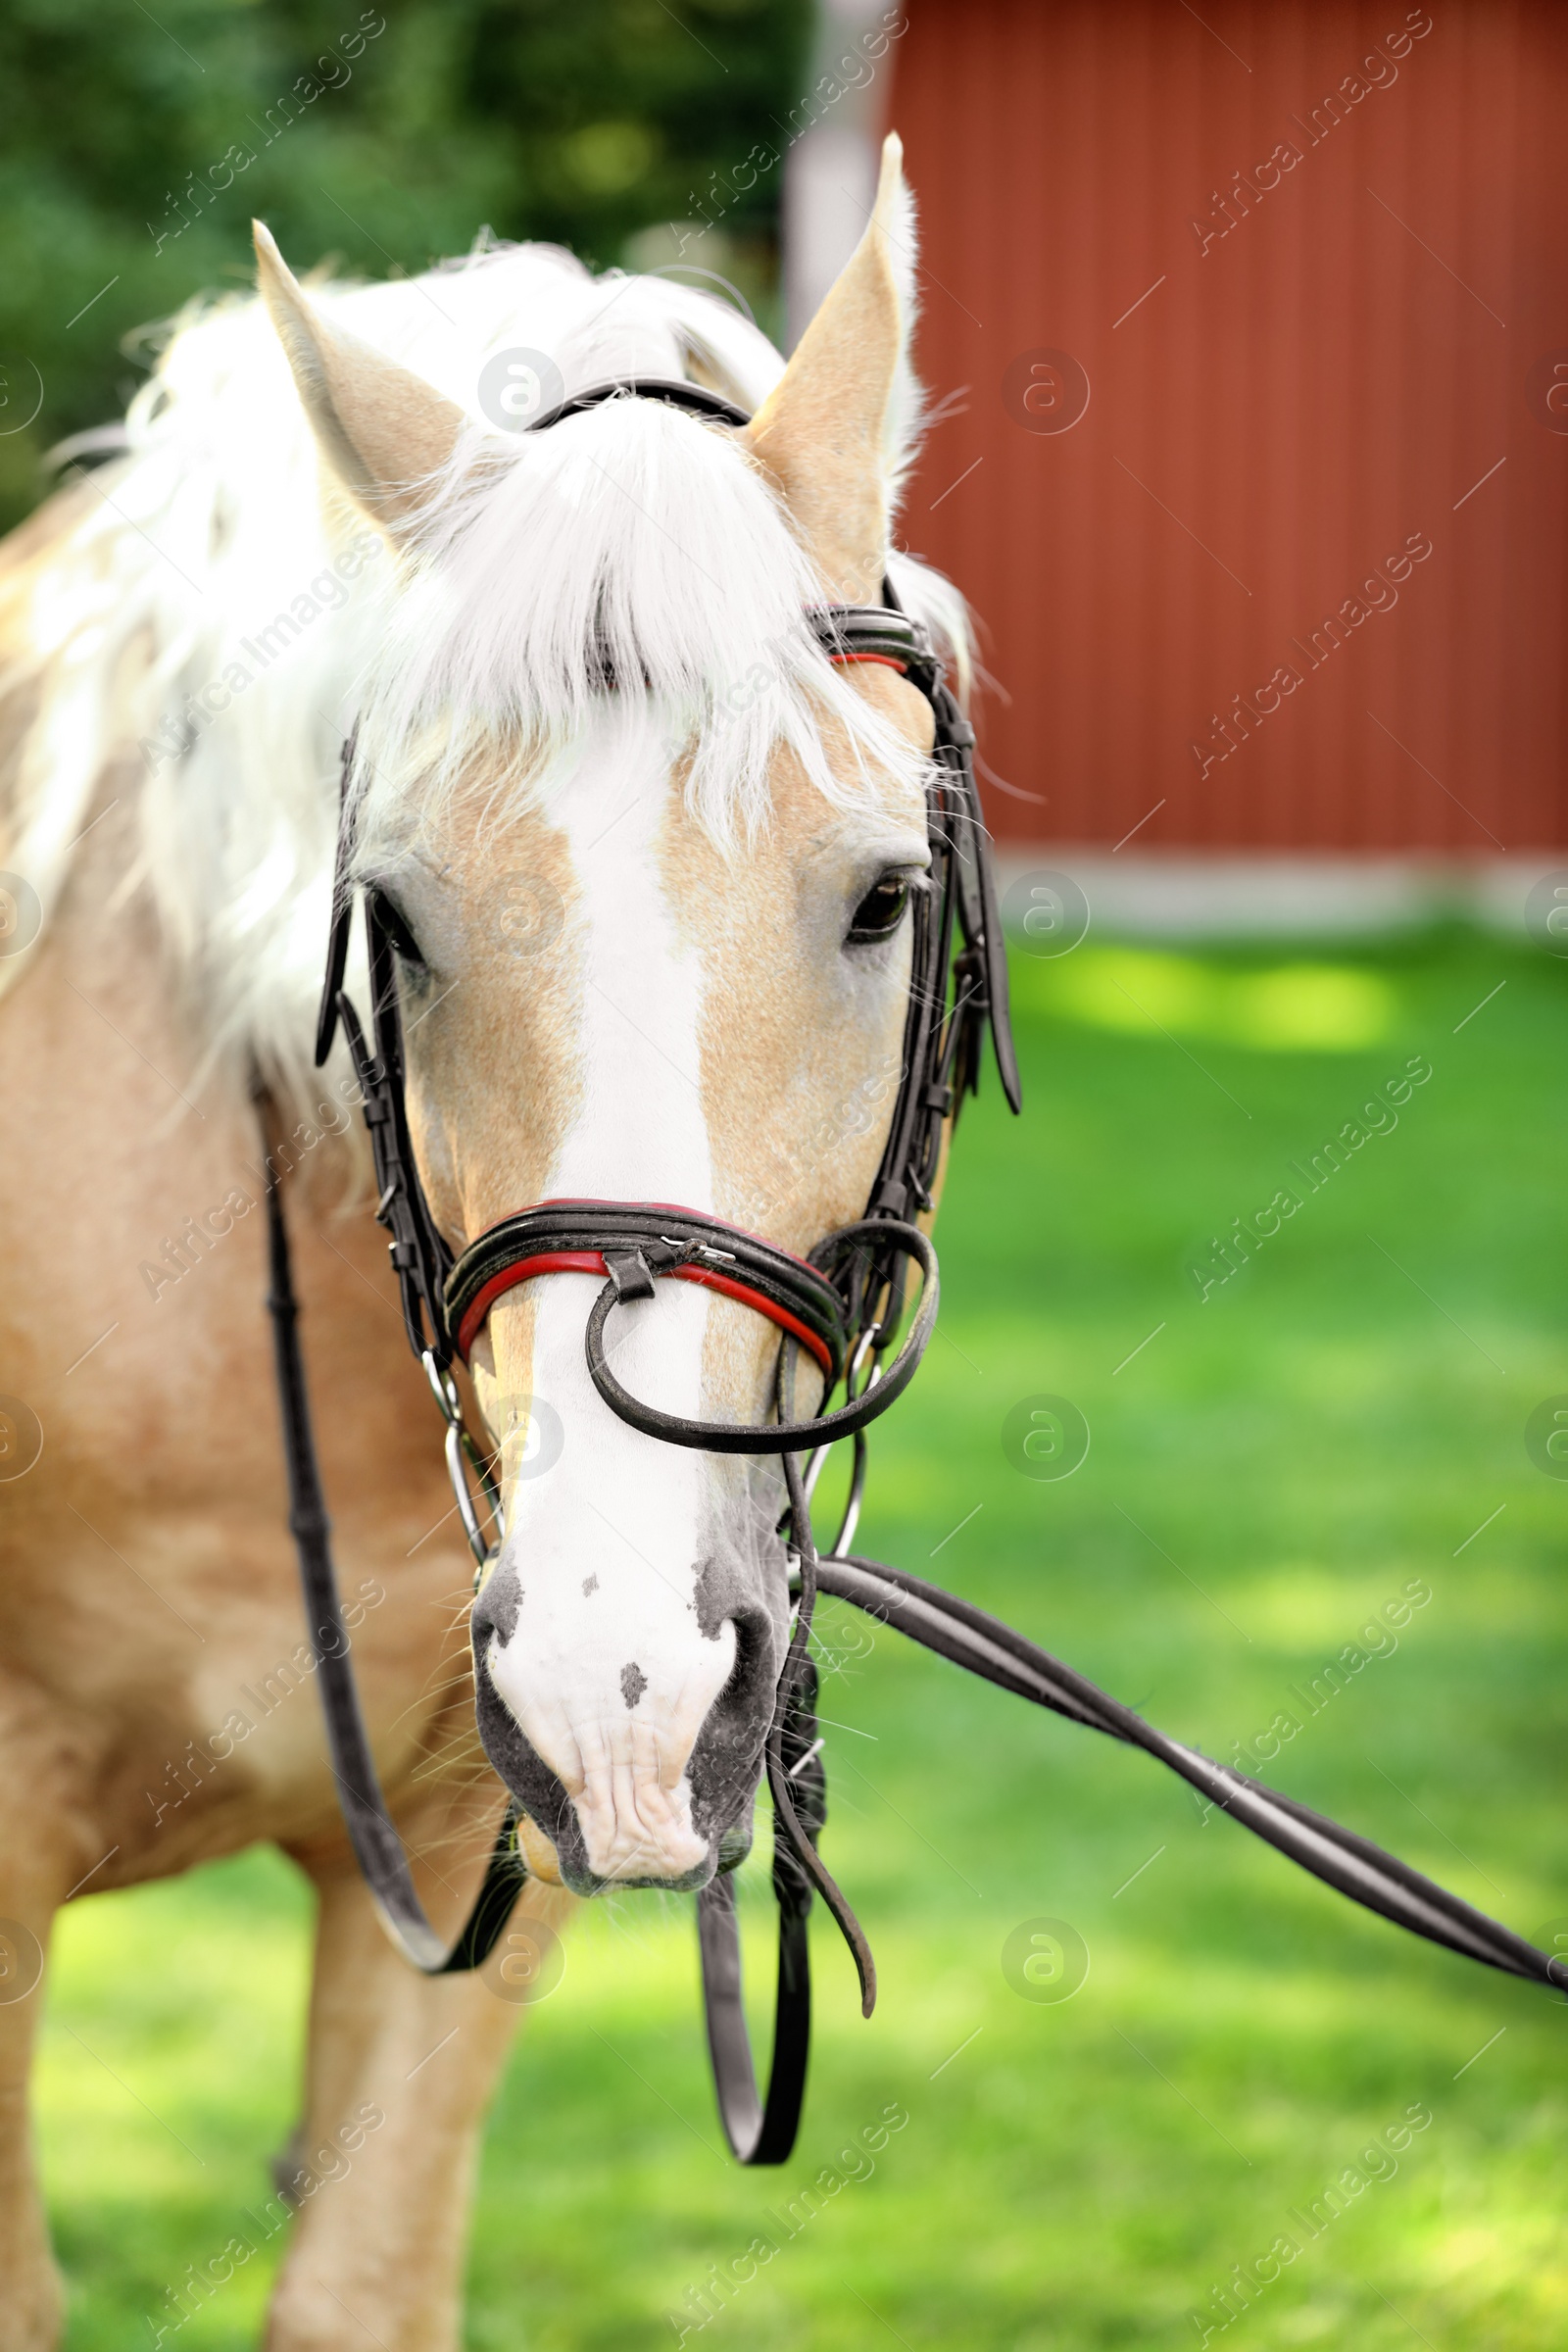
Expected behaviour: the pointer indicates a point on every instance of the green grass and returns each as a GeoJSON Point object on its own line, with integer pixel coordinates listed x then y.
{"type": "Point", "coordinates": [1263, 1474]}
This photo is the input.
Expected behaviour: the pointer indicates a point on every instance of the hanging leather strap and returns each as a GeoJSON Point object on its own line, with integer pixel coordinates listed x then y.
{"type": "Point", "coordinates": [763, 2132]}
{"type": "Point", "coordinates": [373, 1835]}
{"type": "Point", "coordinates": [1352, 1865]}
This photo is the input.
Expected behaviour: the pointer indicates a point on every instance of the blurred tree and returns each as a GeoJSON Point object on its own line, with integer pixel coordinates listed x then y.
{"type": "Point", "coordinates": [138, 146]}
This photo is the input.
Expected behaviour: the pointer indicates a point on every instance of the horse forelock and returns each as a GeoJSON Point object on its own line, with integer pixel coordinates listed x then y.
{"type": "Point", "coordinates": [631, 549]}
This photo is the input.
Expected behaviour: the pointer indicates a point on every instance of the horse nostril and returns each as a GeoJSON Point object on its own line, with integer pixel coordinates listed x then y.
{"type": "Point", "coordinates": [753, 1675]}
{"type": "Point", "coordinates": [726, 1759]}
{"type": "Point", "coordinates": [734, 1845]}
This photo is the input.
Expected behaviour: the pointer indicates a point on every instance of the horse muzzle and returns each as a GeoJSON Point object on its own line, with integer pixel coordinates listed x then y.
{"type": "Point", "coordinates": [642, 1771]}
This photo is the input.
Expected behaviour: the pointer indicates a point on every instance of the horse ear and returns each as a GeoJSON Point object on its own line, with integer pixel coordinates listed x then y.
{"type": "Point", "coordinates": [830, 433]}
{"type": "Point", "coordinates": [384, 431]}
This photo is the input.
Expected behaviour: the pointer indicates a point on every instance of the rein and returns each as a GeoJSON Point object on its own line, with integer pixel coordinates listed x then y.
{"type": "Point", "coordinates": [840, 1308]}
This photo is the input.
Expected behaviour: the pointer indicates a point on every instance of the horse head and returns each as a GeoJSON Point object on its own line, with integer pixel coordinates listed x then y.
{"type": "Point", "coordinates": [647, 859]}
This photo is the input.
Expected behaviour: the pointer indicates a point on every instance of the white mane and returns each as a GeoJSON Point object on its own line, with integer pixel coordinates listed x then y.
{"type": "Point", "coordinates": [212, 560]}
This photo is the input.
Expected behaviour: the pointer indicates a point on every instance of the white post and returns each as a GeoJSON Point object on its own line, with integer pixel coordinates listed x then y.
{"type": "Point", "coordinates": [830, 171]}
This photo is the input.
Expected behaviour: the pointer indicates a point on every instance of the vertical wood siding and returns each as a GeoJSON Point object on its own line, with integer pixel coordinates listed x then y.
{"type": "Point", "coordinates": [1293, 403]}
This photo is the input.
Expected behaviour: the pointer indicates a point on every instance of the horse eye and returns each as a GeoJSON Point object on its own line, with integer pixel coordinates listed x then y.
{"type": "Point", "coordinates": [880, 913]}
{"type": "Point", "coordinates": [395, 923]}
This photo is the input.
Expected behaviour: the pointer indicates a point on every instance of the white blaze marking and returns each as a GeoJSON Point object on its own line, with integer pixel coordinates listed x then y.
{"type": "Point", "coordinates": [619, 1507]}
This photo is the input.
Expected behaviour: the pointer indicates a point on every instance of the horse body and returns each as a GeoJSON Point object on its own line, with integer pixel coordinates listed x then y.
{"type": "Point", "coordinates": [624, 915]}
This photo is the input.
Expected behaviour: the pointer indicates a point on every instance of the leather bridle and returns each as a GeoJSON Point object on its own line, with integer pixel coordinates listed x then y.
{"type": "Point", "coordinates": [840, 1308]}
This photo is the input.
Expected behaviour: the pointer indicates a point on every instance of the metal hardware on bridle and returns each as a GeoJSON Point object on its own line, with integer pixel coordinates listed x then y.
{"type": "Point", "coordinates": [840, 1309]}
{"type": "Point", "coordinates": [463, 1456]}
{"type": "Point", "coordinates": [863, 1356]}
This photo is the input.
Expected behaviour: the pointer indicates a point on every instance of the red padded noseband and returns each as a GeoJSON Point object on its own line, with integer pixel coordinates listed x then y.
{"type": "Point", "coordinates": [574, 1237]}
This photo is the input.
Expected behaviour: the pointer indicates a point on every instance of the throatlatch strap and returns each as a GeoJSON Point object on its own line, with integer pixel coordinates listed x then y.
{"type": "Point", "coordinates": [373, 1835]}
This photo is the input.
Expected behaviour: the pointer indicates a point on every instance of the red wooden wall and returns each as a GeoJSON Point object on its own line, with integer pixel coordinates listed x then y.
{"type": "Point", "coordinates": [1294, 402]}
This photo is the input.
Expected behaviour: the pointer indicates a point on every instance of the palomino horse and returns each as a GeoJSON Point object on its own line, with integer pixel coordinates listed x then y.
{"type": "Point", "coordinates": [648, 858]}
